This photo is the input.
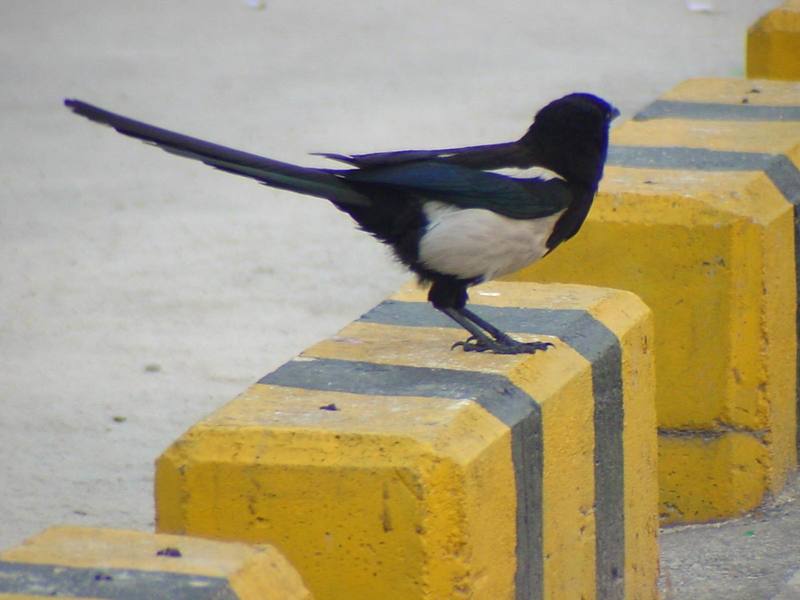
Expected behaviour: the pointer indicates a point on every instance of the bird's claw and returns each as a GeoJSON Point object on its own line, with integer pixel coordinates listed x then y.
{"type": "Point", "coordinates": [470, 340]}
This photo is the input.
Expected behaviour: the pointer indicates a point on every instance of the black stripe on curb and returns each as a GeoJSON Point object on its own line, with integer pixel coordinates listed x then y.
{"type": "Point", "coordinates": [598, 345]}
{"type": "Point", "coordinates": [110, 584]}
{"type": "Point", "coordinates": [781, 171]}
{"type": "Point", "coordinates": [712, 111]}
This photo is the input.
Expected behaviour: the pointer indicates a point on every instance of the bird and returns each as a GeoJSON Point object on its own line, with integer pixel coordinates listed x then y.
{"type": "Point", "coordinates": [456, 217]}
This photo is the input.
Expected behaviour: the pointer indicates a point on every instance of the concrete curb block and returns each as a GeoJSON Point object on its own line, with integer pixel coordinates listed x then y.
{"type": "Point", "coordinates": [696, 215]}
{"type": "Point", "coordinates": [386, 465]}
{"type": "Point", "coordinates": [773, 44]}
{"type": "Point", "coordinates": [82, 562]}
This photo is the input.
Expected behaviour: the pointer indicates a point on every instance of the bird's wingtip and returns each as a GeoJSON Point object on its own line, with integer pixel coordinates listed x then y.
{"type": "Point", "coordinates": [74, 105]}
{"type": "Point", "coordinates": [78, 105]}
{"type": "Point", "coordinates": [333, 156]}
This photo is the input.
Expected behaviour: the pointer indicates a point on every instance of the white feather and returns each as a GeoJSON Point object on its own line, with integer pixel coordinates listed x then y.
{"type": "Point", "coordinates": [528, 173]}
{"type": "Point", "coordinates": [475, 242]}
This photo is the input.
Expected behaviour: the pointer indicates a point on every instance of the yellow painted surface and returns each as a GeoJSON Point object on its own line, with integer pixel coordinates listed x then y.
{"type": "Point", "coordinates": [253, 572]}
{"type": "Point", "coordinates": [569, 527]}
{"type": "Point", "coordinates": [733, 91]}
{"type": "Point", "coordinates": [773, 44]}
{"type": "Point", "coordinates": [414, 497]}
{"type": "Point", "coordinates": [704, 479]}
{"type": "Point", "coordinates": [712, 253]}
{"type": "Point", "coordinates": [776, 137]}
{"type": "Point", "coordinates": [779, 383]}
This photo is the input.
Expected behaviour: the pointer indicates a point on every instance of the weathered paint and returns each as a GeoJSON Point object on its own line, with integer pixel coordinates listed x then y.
{"type": "Point", "coordinates": [697, 217]}
{"type": "Point", "coordinates": [773, 44]}
{"type": "Point", "coordinates": [718, 473]}
{"type": "Point", "coordinates": [733, 91]}
{"type": "Point", "coordinates": [442, 473]}
{"type": "Point", "coordinates": [130, 565]}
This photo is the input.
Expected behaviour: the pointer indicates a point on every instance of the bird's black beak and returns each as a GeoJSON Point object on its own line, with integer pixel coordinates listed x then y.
{"type": "Point", "coordinates": [613, 114]}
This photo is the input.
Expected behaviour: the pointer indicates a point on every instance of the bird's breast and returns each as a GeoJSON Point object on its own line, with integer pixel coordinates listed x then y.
{"type": "Point", "coordinates": [473, 243]}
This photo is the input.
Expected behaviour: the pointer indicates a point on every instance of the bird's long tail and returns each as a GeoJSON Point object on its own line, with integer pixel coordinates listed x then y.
{"type": "Point", "coordinates": [313, 182]}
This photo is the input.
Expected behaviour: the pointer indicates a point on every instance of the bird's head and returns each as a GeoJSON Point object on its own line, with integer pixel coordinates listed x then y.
{"type": "Point", "coordinates": [570, 136]}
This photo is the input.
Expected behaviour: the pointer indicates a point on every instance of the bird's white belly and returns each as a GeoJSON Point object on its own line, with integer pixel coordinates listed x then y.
{"type": "Point", "coordinates": [473, 242]}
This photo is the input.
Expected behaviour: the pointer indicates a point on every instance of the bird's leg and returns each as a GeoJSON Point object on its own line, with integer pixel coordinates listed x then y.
{"type": "Point", "coordinates": [502, 337]}
{"type": "Point", "coordinates": [497, 341]}
{"type": "Point", "coordinates": [477, 335]}
{"type": "Point", "coordinates": [486, 326]}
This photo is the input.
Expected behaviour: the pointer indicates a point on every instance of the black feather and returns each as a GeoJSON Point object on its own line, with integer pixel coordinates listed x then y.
{"type": "Point", "coordinates": [314, 182]}
{"type": "Point", "coordinates": [486, 157]}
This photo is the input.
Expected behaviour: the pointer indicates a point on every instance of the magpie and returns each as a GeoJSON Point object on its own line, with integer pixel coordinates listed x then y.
{"type": "Point", "coordinates": [456, 217]}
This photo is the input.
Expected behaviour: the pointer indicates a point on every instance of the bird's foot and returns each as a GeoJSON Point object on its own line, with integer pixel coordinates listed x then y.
{"type": "Point", "coordinates": [488, 338]}
{"type": "Point", "coordinates": [502, 346]}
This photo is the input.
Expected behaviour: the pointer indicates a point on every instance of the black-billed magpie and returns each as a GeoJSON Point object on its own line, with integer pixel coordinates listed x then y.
{"type": "Point", "coordinates": [455, 216]}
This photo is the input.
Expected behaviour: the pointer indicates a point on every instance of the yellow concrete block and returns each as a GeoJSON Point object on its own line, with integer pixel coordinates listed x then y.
{"type": "Point", "coordinates": [696, 215]}
{"type": "Point", "coordinates": [717, 472]}
{"type": "Point", "coordinates": [773, 44]}
{"type": "Point", "coordinates": [82, 562]}
{"type": "Point", "coordinates": [385, 465]}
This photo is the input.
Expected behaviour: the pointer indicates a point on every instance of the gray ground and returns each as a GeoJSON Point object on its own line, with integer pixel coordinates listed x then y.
{"type": "Point", "coordinates": [139, 291]}
{"type": "Point", "coordinates": [744, 559]}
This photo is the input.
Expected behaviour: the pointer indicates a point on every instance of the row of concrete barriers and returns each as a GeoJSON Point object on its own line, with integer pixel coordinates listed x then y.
{"type": "Point", "coordinates": [380, 464]}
